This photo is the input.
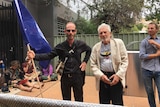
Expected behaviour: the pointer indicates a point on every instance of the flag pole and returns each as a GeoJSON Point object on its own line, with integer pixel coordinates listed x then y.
{"type": "Point", "coordinates": [31, 32]}
{"type": "Point", "coordinates": [58, 67]}
{"type": "Point", "coordinates": [34, 70]}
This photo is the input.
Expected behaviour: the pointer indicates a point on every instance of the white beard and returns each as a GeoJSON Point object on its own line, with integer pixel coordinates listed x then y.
{"type": "Point", "coordinates": [105, 40]}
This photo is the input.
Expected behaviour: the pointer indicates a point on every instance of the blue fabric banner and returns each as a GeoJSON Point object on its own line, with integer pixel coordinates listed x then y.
{"type": "Point", "coordinates": [31, 31]}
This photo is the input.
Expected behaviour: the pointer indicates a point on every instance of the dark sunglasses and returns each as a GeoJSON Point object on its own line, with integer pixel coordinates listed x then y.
{"type": "Point", "coordinates": [70, 30]}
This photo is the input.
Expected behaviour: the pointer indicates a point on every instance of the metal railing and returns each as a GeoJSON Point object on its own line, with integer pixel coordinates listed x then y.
{"type": "Point", "coordinates": [7, 100]}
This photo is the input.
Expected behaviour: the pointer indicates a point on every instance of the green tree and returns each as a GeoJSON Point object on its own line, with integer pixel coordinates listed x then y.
{"type": "Point", "coordinates": [134, 29]}
{"type": "Point", "coordinates": [120, 14]}
{"type": "Point", "coordinates": [117, 13]}
{"type": "Point", "coordinates": [139, 26]}
{"type": "Point", "coordinates": [152, 10]}
{"type": "Point", "coordinates": [85, 26]}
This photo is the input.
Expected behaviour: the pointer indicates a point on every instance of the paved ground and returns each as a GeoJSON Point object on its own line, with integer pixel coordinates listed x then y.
{"type": "Point", "coordinates": [52, 90]}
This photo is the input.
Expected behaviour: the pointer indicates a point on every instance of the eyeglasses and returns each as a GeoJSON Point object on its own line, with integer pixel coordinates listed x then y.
{"type": "Point", "coordinates": [70, 30]}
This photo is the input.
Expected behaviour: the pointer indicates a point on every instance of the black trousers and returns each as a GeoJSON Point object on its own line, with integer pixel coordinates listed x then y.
{"type": "Point", "coordinates": [111, 94]}
{"type": "Point", "coordinates": [75, 81]}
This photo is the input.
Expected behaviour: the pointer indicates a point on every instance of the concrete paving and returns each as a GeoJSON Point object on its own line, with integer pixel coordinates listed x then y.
{"type": "Point", "coordinates": [52, 90]}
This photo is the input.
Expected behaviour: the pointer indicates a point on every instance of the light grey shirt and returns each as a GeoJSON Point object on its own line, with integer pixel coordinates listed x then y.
{"type": "Point", "coordinates": [105, 58]}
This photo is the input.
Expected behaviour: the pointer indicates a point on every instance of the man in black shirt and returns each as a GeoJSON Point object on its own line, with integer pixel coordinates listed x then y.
{"type": "Point", "coordinates": [74, 69]}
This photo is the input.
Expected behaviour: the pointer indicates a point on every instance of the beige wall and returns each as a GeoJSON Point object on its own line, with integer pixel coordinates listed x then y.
{"type": "Point", "coordinates": [65, 13]}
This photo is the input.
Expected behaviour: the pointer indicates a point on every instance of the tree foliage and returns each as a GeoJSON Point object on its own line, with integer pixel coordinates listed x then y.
{"type": "Point", "coordinates": [139, 26]}
{"type": "Point", "coordinates": [118, 13]}
{"type": "Point", "coordinates": [85, 27]}
{"type": "Point", "coordinates": [152, 10]}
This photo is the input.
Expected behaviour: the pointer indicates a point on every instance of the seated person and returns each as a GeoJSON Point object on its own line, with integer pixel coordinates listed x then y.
{"type": "Point", "coordinates": [2, 69]}
{"type": "Point", "coordinates": [1, 61]}
{"type": "Point", "coordinates": [28, 69]}
{"type": "Point", "coordinates": [2, 66]}
{"type": "Point", "coordinates": [48, 74]}
{"type": "Point", "coordinates": [14, 76]}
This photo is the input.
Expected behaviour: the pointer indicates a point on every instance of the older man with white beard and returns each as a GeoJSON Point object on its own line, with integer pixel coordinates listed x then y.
{"type": "Point", "coordinates": [109, 62]}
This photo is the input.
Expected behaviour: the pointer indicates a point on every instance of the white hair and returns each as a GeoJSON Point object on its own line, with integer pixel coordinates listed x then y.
{"type": "Point", "coordinates": [104, 25]}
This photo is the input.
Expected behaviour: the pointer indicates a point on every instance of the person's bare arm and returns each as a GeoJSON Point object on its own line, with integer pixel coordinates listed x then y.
{"type": "Point", "coordinates": [157, 54]}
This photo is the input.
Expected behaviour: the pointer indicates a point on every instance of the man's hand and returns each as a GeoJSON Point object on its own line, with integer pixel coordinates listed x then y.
{"type": "Point", "coordinates": [30, 54]}
{"type": "Point", "coordinates": [151, 41]}
{"type": "Point", "coordinates": [114, 79]}
{"type": "Point", "coordinates": [154, 43]}
{"type": "Point", "coordinates": [83, 66]}
{"type": "Point", "coordinates": [105, 79]}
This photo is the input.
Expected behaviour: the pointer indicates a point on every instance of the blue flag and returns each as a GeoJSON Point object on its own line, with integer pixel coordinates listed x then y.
{"type": "Point", "coordinates": [31, 31]}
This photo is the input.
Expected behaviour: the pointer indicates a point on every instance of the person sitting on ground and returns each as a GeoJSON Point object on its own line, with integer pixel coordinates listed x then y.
{"type": "Point", "coordinates": [28, 69]}
{"type": "Point", "coordinates": [2, 68]}
{"type": "Point", "coordinates": [15, 76]}
{"type": "Point", "coordinates": [48, 74]}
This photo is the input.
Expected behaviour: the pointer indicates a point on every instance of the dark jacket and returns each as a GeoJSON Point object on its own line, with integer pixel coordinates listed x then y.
{"type": "Point", "coordinates": [71, 54]}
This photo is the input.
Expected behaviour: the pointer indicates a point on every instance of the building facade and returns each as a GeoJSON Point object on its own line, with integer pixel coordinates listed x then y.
{"type": "Point", "coordinates": [50, 15]}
